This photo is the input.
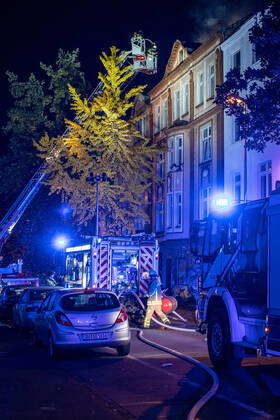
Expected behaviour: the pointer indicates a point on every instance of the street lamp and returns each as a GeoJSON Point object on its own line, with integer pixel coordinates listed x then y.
{"type": "Point", "coordinates": [237, 101]}
{"type": "Point", "coordinates": [61, 242]}
{"type": "Point", "coordinates": [95, 180]}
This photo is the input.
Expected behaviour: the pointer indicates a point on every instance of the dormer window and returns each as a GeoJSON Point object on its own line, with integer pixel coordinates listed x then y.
{"type": "Point", "coordinates": [181, 56]}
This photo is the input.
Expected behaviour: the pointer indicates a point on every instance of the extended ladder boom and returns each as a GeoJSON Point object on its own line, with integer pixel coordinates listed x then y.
{"type": "Point", "coordinates": [144, 60]}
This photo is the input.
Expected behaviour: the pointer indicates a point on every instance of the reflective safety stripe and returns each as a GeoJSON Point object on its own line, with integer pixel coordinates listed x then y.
{"type": "Point", "coordinates": [154, 302]}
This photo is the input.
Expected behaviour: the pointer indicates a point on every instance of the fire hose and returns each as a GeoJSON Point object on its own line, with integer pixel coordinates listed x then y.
{"type": "Point", "coordinates": [215, 380]}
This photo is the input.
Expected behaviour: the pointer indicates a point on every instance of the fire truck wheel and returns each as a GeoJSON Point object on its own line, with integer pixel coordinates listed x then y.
{"type": "Point", "coordinates": [218, 339]}
{"type": "Point", "coordinates": [123, 350]}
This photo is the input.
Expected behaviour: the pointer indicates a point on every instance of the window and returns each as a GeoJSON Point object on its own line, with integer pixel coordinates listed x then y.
{"type": "Point", "coordinates": [181, 56]}
{"type": "Point", "coordinates": [160, 166]}
{"type": "Point", "coordinates": [169, 215]}
{"type": "Point", "coordinates": [236, 59]}
{"type": "Point", "coordinates": [237, 188]}
{"type": "Point", "coordinates": [176, 107]}
{"type": "Point", "coordinates": [178, 210]}
{"type": "Point", "coordinates": [179, 145]}
{"type": "Point", "coordinates": [159, 217]}
{"type": "Point", "coordinates": [206, 142]}
{"type": "Point", "coordinates": [265, 179]}
{"type": "Point", "coordinates": [237, 134]}
{"type": "Point", "coordinates": [205, 202]}
{"type": "Point", "coordinates": [255, 56]}
{"type": "Point", "coordinates": [139, 225]}
{"type": "Point", "coordinates": [211, 81]}
{"type": "Point", "coordinates": [88, 302]}
{"type": "Point", "coordinates": [165, 114]}
{"type": "Point", "coordinates": [175, 152]}
{"type": "Point", "coordinates": [141, 126]}
{"type": "Point", "coordinates": [200, 89]}
{"type": "Point", "coordinates": [185, 109]}
{"type": "Point", "coordinates": [171, 157]}
{"type": "Point", "coordinates": [157, 122]}
{"type": "Point", "coordinates": [143, 129]}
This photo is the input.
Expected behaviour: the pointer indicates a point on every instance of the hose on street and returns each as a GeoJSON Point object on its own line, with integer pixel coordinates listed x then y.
{"type": "Point", "coordinates": [215, 380]}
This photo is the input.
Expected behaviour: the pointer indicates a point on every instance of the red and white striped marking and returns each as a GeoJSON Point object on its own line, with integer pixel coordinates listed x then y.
{"type": "Point", "coordinates": [145, 264]}
{"type": "Point", "coordinates": [103, 267]}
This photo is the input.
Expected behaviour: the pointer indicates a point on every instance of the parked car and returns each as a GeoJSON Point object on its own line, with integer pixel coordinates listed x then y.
{"type": "Point", "coordinates": [8, 297]}
{"type": "Point", "coordinates": [27, 305]}
{"type": "Point", "coordinates": [80, 318]}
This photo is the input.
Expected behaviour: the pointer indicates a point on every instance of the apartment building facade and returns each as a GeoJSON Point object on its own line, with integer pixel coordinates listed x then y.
{"type": "Point", "coordinates": [183, 117]}
{"type": "Point", "coordinates": [263, 169]}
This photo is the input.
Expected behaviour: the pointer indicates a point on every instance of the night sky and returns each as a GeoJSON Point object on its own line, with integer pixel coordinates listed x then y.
{"type": "Point", "coordinates": [33, 31]}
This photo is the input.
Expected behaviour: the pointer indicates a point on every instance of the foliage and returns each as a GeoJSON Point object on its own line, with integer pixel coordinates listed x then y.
{"type": "Point", "coordinates": [258, 85]}
{"type": "Point", "coordinates": [104, 140]}
{"type": "Point", "coordinates": [39, 106]}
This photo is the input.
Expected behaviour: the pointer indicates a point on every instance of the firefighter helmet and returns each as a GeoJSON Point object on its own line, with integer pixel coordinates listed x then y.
{"type": "Point", "coordinates": [152, 273]}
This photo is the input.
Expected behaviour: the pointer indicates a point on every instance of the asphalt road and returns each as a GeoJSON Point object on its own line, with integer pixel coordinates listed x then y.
{"type": "Point", "coordinates": [148, 384]}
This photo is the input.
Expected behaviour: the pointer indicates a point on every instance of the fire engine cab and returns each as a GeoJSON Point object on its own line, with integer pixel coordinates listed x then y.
{"type": "Point", "coordinates": [112, 262]}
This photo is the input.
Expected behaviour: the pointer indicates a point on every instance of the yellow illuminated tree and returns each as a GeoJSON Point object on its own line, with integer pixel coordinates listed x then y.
{"type": "Point", "coordinates": [104, 140]}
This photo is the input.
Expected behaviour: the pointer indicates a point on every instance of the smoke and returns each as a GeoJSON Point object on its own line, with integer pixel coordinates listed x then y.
{"type": "Point", "coordinates": [215, 15]}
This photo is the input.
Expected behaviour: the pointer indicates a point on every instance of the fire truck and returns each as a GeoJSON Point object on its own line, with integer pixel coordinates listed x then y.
{"type": "Point", "coordinates": [239, 288]}
{"type": "Point", "coordinates": [112, 262]}
{"type": "Point", "coordinates": [14, 276]}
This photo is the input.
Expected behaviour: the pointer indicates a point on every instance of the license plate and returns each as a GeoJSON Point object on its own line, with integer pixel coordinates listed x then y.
{"type": "Point", "coordinates": [95, 336]}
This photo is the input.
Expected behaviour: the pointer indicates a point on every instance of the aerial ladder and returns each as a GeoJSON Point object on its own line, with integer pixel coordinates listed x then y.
{"type": "Point", "coordinates": [143, 58]}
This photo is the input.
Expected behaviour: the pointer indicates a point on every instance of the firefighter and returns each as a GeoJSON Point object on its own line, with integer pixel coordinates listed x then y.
{"type": "Point", "coordinates": [154, 300]}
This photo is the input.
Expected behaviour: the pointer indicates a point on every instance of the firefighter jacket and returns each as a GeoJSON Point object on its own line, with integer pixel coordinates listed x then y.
{"type": "Point", "coordinates": [154, 290]}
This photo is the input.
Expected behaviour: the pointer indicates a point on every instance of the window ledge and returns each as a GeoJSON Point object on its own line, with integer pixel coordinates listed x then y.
{"type": "Point", "coordinates": [185, 114]}
{"type": "Point", "coordinates": [211, 98]}
{"type": "Point", "coordinates": [199, 105]}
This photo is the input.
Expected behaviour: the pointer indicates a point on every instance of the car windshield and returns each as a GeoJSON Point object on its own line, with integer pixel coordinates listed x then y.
{"type": "Point", "coordinates": [85, 302]}
{"type": "Point", "coordinates": [38, 295]}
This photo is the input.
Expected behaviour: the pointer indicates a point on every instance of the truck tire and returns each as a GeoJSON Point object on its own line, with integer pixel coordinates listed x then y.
{"type": "Point", "coordinates": [219, 343]}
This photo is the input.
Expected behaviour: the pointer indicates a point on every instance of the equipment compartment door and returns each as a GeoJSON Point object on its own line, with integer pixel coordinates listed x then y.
{"type": "Point", "coordinates": [124, 269]}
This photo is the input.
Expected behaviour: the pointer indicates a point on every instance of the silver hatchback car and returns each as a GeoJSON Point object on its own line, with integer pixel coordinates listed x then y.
{"type": "Point", "coordinates": [79, 318]}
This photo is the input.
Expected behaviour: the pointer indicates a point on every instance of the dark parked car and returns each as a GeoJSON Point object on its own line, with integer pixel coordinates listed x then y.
{"type": "Point", "coordinates": [8, 297]}
{"type": "Point", "coordinates": [27, 305]}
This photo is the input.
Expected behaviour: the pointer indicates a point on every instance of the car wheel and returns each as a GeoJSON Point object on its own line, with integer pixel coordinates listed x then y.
{"type": "Point", "coordinates": [218, 340]}
{"type": "Point", "coordinates": [123, 350]}
{"type": "Point", "coordinates": [54, 353]}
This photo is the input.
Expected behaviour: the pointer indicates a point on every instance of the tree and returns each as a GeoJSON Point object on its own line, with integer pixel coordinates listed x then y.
{"type": "Point", "coordinates": [105, 140]}
{"type": "Point", "coordinates": [39, 106]}
{"type": "Point", "coordinates": [257, 89]}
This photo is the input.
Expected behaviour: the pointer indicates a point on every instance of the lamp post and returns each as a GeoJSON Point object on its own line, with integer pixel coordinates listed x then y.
{"type": "Point", "coordinates": [60, 243]}
{"type": "Point", "coordinates": [236, 100]}
{"type": "Point", "coordinates": [95, 180]}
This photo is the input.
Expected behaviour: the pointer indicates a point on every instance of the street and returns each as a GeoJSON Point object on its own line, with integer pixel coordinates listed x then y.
{"type": "Point", "coordinates": [148, 384]}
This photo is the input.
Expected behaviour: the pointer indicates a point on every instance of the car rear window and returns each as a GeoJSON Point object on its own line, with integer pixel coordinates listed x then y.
{"type": "Point", "coordinates": [85, 302]}
{"type": "Point", "coordinates": [38, 295]}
